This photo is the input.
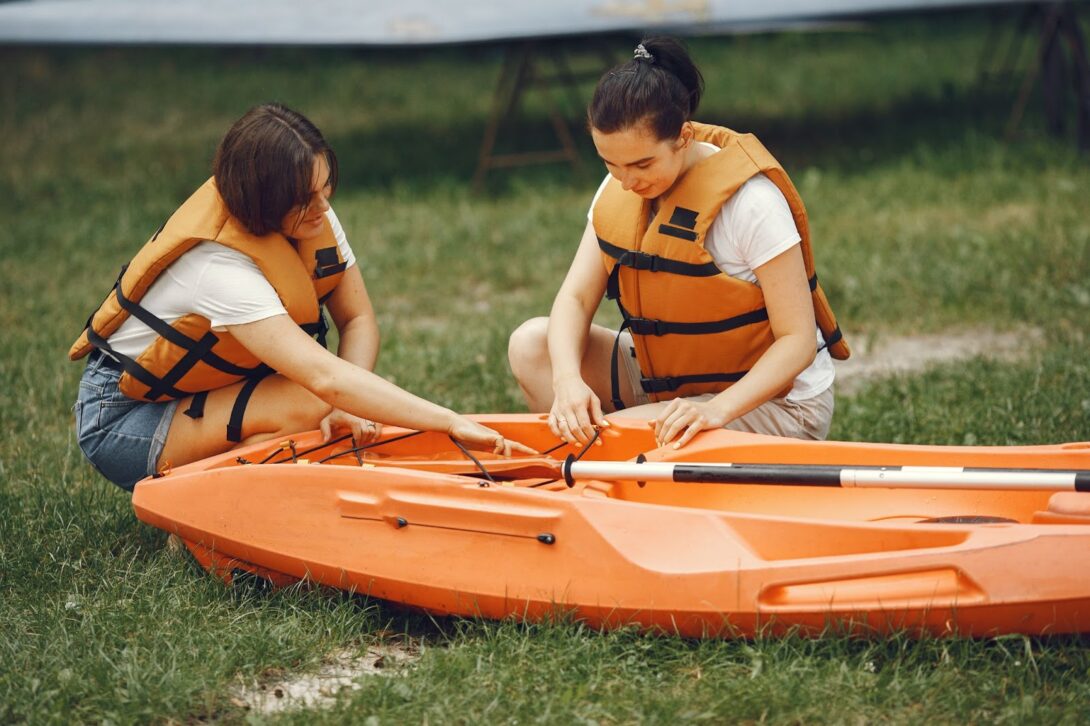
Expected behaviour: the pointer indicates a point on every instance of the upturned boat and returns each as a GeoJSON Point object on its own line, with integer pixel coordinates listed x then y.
{"type": "Point", "coordinates": [731, 535]}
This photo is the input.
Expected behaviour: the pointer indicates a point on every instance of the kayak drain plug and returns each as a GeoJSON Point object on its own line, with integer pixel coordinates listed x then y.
{"type": "Point", "coordinates": [546, 538]}
{"type": "Point", "coordinates": [402, 522]}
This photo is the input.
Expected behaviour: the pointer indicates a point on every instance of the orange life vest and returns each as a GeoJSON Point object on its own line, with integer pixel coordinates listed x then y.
{"type": "Point", "coordinates": [695, 329]}
{"type": "Point", "coordinates": [187, 357]}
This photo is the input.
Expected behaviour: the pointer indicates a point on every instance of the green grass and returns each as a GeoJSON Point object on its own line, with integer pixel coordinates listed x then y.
{"type": "Point", "coordinates": [924, 219]}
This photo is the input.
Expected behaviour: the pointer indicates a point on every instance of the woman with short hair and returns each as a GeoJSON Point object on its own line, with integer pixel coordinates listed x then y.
{"type": "Point", "coordinates": [207, 340]}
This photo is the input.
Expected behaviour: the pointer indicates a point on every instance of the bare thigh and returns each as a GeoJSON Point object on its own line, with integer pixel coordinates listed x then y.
{"type": "Point", "coordinates": [277, 407]}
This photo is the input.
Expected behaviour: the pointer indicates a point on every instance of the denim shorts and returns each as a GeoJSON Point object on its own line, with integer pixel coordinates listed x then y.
{"type": "Point", "coordinates": [121, 437]}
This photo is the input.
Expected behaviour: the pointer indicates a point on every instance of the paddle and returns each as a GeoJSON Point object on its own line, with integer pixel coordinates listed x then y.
{"type": "Point", "coordinates": [906, 477]}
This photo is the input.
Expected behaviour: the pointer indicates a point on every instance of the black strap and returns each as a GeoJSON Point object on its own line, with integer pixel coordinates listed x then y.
{"type": "Point", "coordinates": [638, 260]}
{"type": "Point", "coordinates": [133, 368]}
{"type": "Point", "coordinates": [234, 425]}
{"type": "Point", "coordinates": [613, 285]}
{"type": "Point", "coordinates": [192, 356]}
{"type": "Point", "coordinates": [672, 383]}
{"type": "Point", "coordinates": [835, 335]}
{"type": "Point", "coordinates": [318, 329]}
{"type": "Point", "coordinates": [196, 406]}
{"type": "Point", "coordinates": [614, 373]}
{"type": "Point", "coordinates": [833, 338]}
{"type": "Point", "coordinates": [176, 337]}
{"type": "Point", "coordinates": [650, 326]}
{"type": "Point", "coordinates": [686, 234]}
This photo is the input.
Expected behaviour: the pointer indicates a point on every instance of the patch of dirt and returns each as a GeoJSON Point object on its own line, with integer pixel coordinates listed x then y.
{"type": "Point", "coordinates": [883, 356]}
{"type": "Point", "coordinates": [343, 670]}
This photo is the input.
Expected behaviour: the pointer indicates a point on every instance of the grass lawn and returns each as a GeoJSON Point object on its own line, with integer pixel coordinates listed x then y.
{"type": "Point", "coordinates": [924, 220]}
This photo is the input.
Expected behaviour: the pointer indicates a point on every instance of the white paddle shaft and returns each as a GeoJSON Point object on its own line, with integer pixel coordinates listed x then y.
{"type": "Point", "coordinates": [914, 477]}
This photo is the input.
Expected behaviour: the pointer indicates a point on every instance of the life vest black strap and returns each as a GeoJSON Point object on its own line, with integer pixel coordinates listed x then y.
{"type": "Point", "coordinates": [193, 355]}
{"type": "Point", "coordinates": [131, 367]}
{"type": "Point", "coordinates": [238, 410]}
{"type": "Point", "coordinates": [650, 326]}
{"type": "Point", "coordinates": [638, 260]}
{"type": "Point", "coordinates": [831, 339]}
{"type": "Point", "coordinates": [318, 329]}
{"type": "Point", "coordinates": [196, 406]}
{"type": "Point", "coordinates": [686, 234]}
{"type": "Point", "coordinates": [667, 384]}
{"type": "Point", "coordinates": [180, 339]}
{"type": "Point", "coordinates": [613, 285]}
{"type": "Point", "coordinates": [614, 372]}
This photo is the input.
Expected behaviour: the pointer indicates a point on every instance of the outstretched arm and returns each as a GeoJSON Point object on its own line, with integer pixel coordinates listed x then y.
{"type": "Point", "coordinates": [283, 345]}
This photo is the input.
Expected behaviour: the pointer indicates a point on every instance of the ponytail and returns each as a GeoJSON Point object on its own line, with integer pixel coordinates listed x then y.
{"type": "Point", "coordinates": [660, 86]}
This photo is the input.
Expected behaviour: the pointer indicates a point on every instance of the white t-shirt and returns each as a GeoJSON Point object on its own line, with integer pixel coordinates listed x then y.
{"type": "Point", "coordinates": [216, 282]}
{"type": "Point", "coordinates": [754, 226]}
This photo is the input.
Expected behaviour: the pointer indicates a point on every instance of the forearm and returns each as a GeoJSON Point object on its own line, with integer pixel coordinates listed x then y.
{"type": "Point", "coordinates": [569, 324]}
{"type": "Point", "coordinates": [770, 375]}
{"type": "Point", "coordinates": [351, 388]}
{"type": "Point", "coordinates": [359, 342]}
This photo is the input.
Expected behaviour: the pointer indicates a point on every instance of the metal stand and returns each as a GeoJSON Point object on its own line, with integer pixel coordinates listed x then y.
{"type": "Point", "coordinates": [523, 70]}
{"type": "Point", "coordinates": [1059, 27]}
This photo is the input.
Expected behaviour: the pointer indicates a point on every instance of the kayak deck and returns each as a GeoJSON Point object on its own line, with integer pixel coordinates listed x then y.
{"type": "Point", "coordinates": [414, 520]}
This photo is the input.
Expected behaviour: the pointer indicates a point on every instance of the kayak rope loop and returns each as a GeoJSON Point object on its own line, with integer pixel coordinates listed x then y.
{"type": "Point", "coordinates": [572, 458]}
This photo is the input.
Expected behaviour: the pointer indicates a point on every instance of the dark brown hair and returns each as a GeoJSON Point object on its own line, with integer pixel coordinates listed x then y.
{"type": "Point", "coordinates": [265, 165]}
{"type": "Point", "coordinates": [662, 90]}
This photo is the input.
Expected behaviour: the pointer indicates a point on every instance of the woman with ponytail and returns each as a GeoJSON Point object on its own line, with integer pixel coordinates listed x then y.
{"type": "Point", "coordinates": [701, 238]}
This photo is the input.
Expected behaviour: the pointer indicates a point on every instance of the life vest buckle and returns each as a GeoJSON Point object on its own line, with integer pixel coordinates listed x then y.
{"type": "Point", "coordinates": [660, 385]}
{"type": "Point", "coordinates": [640, 260]}
{"type": "Point", "coordinates": [647, 326]}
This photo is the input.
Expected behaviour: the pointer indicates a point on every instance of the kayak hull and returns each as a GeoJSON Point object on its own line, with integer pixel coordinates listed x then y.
{"type": "Point", "coordinates": [697, 560]}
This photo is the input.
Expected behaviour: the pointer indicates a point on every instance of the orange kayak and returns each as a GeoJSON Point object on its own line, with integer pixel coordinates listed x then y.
{"type": "Point", "coordinates": [413, 519]}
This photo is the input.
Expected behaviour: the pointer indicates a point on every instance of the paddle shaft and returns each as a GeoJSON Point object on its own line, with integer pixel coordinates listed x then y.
{"type": "Point", "coordinates": [909, 477]}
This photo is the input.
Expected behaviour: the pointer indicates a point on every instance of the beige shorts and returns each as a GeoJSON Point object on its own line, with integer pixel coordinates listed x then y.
{"type": "Point", "coordinates": [809, 418]}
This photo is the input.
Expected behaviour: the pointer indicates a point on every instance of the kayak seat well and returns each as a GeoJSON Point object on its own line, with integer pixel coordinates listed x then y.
{"type": "Point", "coordinates": [1065, 508]}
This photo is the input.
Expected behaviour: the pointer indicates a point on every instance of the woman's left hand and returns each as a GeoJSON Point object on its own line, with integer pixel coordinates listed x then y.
{"type": "Point", "coordinates": [363, 430]}
{"type": "Point", "coordinates": [687, 419]}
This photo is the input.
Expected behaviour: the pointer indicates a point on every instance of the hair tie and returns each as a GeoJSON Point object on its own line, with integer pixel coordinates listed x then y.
{"type": "Point", "coordinates": [642, 52]}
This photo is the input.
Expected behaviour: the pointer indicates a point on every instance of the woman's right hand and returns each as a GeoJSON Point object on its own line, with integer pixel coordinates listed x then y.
{"type": "Point", "coordinates": [483, 438]}
{"type": "Point", "coordinates": [576, 411]}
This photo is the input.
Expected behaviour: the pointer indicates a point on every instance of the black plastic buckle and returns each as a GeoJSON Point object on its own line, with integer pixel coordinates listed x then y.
{"type": "Point", "coordinates": [639, 260]}
{"type": "Point", "coordinates": [647, 326]}
{"type": "Point", "coordinates": [660, 385]}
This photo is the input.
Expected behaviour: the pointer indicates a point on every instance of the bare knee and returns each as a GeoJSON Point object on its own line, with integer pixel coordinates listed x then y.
{"type": "Point", "coordinates": [528, 348]}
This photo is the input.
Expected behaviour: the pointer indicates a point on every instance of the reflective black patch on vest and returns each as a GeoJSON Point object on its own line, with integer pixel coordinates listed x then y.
{"type": "Point", "coordinates": [683, 217]}
{"type": "Point", "coordinates": [327, 263]}
{"type": "Point", "coordinates": [682, 222]}
{"type": "Point", "coordinates": [677, 232]}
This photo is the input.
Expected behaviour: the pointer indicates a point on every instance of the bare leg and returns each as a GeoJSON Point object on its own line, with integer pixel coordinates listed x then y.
{"type": "Point", "coordinates": [277, 407]}
{"type": "Point", "coordinates": [528, 353]}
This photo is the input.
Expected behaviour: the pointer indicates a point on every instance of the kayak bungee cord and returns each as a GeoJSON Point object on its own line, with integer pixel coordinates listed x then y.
{"type": "Point", "coordinates": [474, 460]}
{"type": "Point", "coordinates": [298, 455]}
{"type": "Point", "coordinates": [364, 447]}
{"type": "Point", "coordinates": [909, 477]}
